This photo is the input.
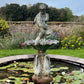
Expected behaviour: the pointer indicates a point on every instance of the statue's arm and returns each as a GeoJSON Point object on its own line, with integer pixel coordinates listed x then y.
{"type": "Point", "coordinates": [35, 19]}
{"type": "Point", "coordinates": [47, 17]}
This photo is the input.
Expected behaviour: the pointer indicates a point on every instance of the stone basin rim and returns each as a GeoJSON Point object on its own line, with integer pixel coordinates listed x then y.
{"type": "Point", "coordinates": [68, 59]}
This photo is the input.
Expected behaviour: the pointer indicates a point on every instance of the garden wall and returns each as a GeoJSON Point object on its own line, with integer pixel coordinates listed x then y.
{"type": "Point", "coordinates": [28, 26]}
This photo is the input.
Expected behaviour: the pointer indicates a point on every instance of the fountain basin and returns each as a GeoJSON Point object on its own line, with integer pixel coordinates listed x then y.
{"type": "Point", "coordinates": [54, 61]}
{"type": "Point", "coordinates": [67, 59]}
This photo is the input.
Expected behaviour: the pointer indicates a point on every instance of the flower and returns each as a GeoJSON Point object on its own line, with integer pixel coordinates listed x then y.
{"type": "Point", "coordinates": [25, 71]}
{"type": "Point", "coordinates": [1, 28]}
{"type": "Point", "coordinates": [65, 44]}
{"type": "Point", "coordinates": [22, 44]}
{"type": "Point", "coordinates": [8, 81]}
{"type": "Point", "coordinates": [14, 61]}
{"type": "Point", "coordinates": [56, 33]}
{"type": "Point", "coordinates": [72, 45]}
{"type": "Point", "coordinates": [53, 79]}
{"type": "Point", "coordinates": [74, 36]}
{"type": "Point", "coordinates": [79, 48]}
{"type": "Point", "coordinates": [9, 69]}
{"type": "Point", "coordinates": [27, 79]}
{"type": "Point", "coordinates": [16, 72]}
{"type": "Point", "coordinates": [72, 73]}
{"type": "Point", "coordinates": [78, 43]}
{"type": "Point", "coordinates": [15, 65]}
{"type": "Point", "coordinates": [65, 38]}
{"type": "Point", "coordinates": [80, 37]}
{"type": "Point", "coordinates": [63, 73]}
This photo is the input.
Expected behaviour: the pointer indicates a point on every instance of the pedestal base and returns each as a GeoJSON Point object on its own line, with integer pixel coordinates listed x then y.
{"type": "Point", "coordinates": [42, 79]}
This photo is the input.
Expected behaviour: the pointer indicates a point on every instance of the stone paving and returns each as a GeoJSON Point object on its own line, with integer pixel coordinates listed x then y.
{"type": "Point", "coordinates": [68, 59]}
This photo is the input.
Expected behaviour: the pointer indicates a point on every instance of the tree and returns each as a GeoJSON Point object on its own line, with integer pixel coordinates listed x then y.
{"type": "Point", "coordinates": [2, 13]}
{"type": "Point", "coordinates": [12, 12]}
{"type": "Point", "coordinates": [53, 13]}
{"type": "Point", "coordinates": [57, 14]}
{"type": "Point", "coordinates": [80, 18]}
{"type": "Point", "coordinates": [69, 14]}
{"type": "Point", "coordinates": [15, 12]}
{"type": "Point", "coordinates": [33, 11]}
{"type": "Point", "coordinates": [62, 14]}
{"type": "Point", "coordinates": [24, 12]}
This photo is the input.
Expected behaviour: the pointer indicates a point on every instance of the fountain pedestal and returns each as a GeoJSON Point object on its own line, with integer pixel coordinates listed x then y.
{"type": "Point", "coordinates": [42, 68]}
{"type": "Point", "coordinates": [42, 80]}
{"type": "Point", "coordinates": [42, 61]}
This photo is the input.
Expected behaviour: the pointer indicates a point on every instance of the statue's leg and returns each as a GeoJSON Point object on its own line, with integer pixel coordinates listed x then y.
{"type": "Point", "coordinates": [41, 36]}
{"type": "Point", "coordinates": [37, 40]}
{"type": "Point", "coordinates": [43, 33]}
{"type": "Point", "coordinates": [49, 31]}
{"type": "Point", "coordinates": [36, 65]}
{"type": "Point", "coordinates": [46, 65]}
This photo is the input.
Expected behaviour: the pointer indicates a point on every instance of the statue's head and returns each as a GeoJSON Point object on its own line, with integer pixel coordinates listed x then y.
{"type": "Point", "coordinates": [43, 8]}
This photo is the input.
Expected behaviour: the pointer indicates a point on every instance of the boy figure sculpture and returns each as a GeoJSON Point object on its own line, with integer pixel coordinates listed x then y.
{"type": "Point", "coordinates": [40, 20]}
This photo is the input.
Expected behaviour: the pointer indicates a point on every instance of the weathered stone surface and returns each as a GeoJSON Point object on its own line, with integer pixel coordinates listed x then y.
{"type": "Point", "coordinates": [59, 57]}
{"type": "Point", "coordinates": [28, 26]}
{"type": "Point", "coordinates": [41, 45]}
{"type": "Point", "coordinates": [47, 42]}
{"type": "Point", "coordinates": [42, 80]}
{"type": "Point", "coordinates": [12, 58]}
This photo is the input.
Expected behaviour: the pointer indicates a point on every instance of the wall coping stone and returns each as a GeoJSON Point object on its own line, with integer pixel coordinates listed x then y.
{"type": "Point", "coordinates": [50, 22]}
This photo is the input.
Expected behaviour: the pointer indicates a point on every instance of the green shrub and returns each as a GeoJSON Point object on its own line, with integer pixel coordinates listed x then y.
{"type": "Point", "coordinates": [12, 42]}
{"type": "Point", "coordinates": [4, 27]}
{"type": "Point", "coordinates": [82, 33]}
{"type": "Point", "coordinates": [74, 42]}
{"type": "Point", "coordinates": [15, 41]}
{"type": "Point", "coordinates": [55, 36]}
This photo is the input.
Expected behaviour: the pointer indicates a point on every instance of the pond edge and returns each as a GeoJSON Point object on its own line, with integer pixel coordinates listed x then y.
{"type": "Point", "coordinates": [72, 60]}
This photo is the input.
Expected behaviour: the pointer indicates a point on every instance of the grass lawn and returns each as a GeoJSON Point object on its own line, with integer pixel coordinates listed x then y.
{"type": "Point", "coordinates": [73, 53]}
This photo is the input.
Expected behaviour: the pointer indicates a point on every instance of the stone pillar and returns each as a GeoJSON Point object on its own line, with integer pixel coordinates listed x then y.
{"type": "Point", "coordinates": [42, 68]}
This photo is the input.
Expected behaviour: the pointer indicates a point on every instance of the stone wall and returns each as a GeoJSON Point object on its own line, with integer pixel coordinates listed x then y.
{"type": "Point", "coordinates": [28, 26]}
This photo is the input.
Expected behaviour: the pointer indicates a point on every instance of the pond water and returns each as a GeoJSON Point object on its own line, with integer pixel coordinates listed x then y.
{"type": "Point", "coordinates": [21, 73]}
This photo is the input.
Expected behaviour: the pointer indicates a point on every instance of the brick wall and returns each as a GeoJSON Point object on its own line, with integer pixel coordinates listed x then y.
{"type": "Point", "coordinates": [28, 26]}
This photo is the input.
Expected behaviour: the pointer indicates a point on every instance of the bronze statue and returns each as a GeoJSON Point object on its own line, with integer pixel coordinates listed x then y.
{"type": "Point", "coordinates": [41, 44]}
{"type": "Point", "coordinates": [40, 20]}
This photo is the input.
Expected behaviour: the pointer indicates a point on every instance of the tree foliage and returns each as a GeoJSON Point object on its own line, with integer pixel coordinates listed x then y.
{"type": "Point", "coordinates": [69, 15]}
{"type": "Point", "coordinates": [15, 12]}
